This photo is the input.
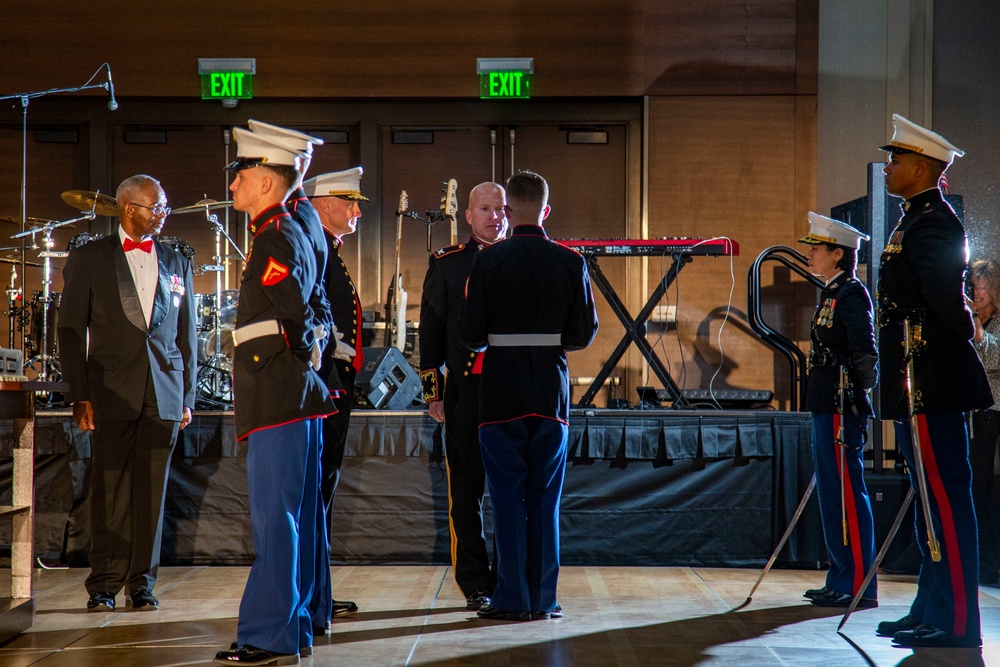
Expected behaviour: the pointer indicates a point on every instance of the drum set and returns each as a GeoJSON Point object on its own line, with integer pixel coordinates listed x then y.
{"type": "Point", "coordinates": [214, 312]}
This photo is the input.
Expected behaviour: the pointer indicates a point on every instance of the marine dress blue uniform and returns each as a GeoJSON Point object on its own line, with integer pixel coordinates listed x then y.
{"type": "Point", "coordinates": [843, 335]}
{"type": "Point", "coordinates": [279, 401]}
{"type": "Point", "coordinates": [443, 294]}
{"type": "Point", "coordinates": [922, 273]}
{"type": "Point", "coordinates": [529, 300]}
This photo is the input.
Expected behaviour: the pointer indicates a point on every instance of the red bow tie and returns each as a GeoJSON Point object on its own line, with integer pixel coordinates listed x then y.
{"type": "Point", "coordinates": [145, 246]}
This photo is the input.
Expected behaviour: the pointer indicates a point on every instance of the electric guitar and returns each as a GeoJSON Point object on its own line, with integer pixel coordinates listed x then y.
{"type": "Point", "coordinates": [395, 330]}
{"type": "Point", "coordinates": [449, 207]}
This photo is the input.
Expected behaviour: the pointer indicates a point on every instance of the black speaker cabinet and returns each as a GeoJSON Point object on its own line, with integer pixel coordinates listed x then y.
{"type": "Point", "coordinates": [386, 381]}
{"type": "Point", "coordinates": [887, 492]}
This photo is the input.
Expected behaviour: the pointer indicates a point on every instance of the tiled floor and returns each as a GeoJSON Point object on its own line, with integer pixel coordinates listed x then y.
{"type": "Point", "coordinates": [416, 616]}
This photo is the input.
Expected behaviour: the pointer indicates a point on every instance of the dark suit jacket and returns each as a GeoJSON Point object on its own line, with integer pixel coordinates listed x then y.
{"type": "Point", "coordinates": [99, 297]}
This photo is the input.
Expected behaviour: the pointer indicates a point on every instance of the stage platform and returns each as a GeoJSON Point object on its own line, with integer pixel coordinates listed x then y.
{"type": "Point", "coordinates": [655, 487]}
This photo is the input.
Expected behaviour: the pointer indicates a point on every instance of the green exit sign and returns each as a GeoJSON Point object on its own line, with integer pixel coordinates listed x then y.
{"type": "Point", "coordinates": [505, 85]}
{"type": "Point", "coordinates": [226, 86]}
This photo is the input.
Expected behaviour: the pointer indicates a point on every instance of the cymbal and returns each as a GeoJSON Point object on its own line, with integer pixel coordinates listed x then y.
{"type": "Point", "coordinates": [82, 200]}
{"type": "Point", "coordinates": [7, 259]}
{"type": "Point", "coordinates": [16, 219]}
{"type": "Point", "coordinates": [203, 205]}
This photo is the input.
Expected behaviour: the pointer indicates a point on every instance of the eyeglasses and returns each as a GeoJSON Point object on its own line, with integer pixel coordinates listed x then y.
{"type": "Point", "coordinates": [158, 209]}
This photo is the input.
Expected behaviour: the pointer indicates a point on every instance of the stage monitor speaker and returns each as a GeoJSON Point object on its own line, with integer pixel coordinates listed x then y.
{"type": "Point", "coordinates": [386, 381]}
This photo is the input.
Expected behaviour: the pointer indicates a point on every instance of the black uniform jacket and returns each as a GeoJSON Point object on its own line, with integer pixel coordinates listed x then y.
{"type": "Point", "coordinates": [843, 333]}
{"type": "Point", "coordinates": [273, 382]}
{"type": "Point", "coordinates": [527, 285]}
{"type": "Point", "coordinates": [303, 212]}
{"type": "Point", "coordinates": [443, 295]}
{"type": "Point", "coordinates": [923, 267]}
{"type": "Point", "coordinates": [346, 309]}
{"type": "Point", "coordinates": [100, 299]}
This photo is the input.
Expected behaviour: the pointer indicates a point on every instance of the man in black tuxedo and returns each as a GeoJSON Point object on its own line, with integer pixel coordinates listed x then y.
{"type": "Point", "coordinates": [127, 349]}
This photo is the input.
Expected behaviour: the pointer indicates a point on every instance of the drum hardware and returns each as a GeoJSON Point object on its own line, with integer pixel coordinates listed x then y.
{"type": "Point", "coordinates": [81, 239]}
{"type": "Point", "coordinates": [17, 314]}
{"type": "Point", "coordinates": [215, 374]}
{"type": "Point", "coordinates": [94, 202]}
{"type": "Point", "coordinates": [179, 245]}
{"type": "Point", "coordinates": [47, 367]}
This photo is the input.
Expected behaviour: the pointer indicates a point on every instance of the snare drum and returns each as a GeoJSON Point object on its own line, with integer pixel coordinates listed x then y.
{"type": "Point", "coordinates": [204, 311]}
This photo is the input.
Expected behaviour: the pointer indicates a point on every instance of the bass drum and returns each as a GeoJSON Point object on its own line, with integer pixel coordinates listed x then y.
{"type": "Point", "coordinates": [210, 344]}
{"type": "Point", "coordinates": [82, 239]}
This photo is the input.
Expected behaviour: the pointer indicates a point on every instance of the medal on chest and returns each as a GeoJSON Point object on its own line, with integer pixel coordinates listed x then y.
{"type": "Point", "coordinates": [895, 244]}
{"type": "Point", "coordinates": [824, 318]}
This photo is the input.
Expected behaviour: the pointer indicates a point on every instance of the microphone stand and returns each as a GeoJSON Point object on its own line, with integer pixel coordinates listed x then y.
{"type": "Point", "coordinates": [25, 97]}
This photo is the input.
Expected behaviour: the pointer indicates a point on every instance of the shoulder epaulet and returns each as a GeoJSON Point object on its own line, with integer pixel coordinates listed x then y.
{"type": "Point", "coordinates": [447, 250]}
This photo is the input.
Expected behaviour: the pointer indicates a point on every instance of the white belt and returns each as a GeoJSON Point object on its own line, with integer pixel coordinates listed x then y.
{"type": "Point", "coordinates": [256, 330]}
{"type": "Point", "coordinates": [525, 340]}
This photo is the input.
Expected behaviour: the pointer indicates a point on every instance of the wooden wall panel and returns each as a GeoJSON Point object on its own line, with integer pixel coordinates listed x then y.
{"type": "Point", "coordinates": [397, 48]}
{"type": "Point", "coordinates": [727, 47]}
{"type": "Point", "coordinates": [730, 166]}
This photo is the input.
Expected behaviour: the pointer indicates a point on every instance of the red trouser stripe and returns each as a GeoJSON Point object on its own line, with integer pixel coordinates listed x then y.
{"type": "Point", "coordinates": [947, 526]}
{"type": "Point", "coordinates": [851, 509]}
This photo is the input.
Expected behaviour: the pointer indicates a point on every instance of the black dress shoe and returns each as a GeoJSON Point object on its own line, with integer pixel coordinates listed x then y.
{"type": "Point", "coordinates": [304, 651]}
{"type": "Point", "coordinates": [326, 629]}
{"type": "Point", "coordinates": [342, 608]}
{"type": "Point", "coordinates": [142, 600]}
{"type": "Point", "coordinates": [491, 613]}
{"type": "Point", "coordinates": [927, 636]}
{"type": "Point", "coordinates": [814, 592]}
{"type": "Point", "coordinates": [890, 628]}
{"type": "Point", "coordinates": [835, 599]}
{"type": "Point", "coordinates": [101, 601]}
{"type": "Point", "coordinates": [477, 600]}
{"type": "Point", "coordinates": [557, 612]}
{"type": "Point", "coordinates": [253, 656]}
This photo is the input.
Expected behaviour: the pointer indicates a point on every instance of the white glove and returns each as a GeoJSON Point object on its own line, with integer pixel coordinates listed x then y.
{"type": "Point", "coordinates": [344, 352]}
{"type": "Point", "coordinates": [316, 354]}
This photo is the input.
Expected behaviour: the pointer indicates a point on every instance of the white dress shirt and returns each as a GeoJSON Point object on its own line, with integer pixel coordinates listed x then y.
{"type": "Point", "coordinates": [145, 274]}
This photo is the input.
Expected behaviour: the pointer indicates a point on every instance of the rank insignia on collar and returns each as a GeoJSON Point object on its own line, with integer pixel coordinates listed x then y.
{"type": "Point", "coordinates": [274, 273]}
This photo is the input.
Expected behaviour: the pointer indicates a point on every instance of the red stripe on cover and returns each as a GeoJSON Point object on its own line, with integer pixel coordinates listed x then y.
{"type": "Point", "coordinates": [851, 510]}
{"type": "Point", "coordinates": [947, 527]}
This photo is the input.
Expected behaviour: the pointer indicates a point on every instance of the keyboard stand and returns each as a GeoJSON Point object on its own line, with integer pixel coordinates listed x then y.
{"type": "Point", "coordinates": [635, 330]}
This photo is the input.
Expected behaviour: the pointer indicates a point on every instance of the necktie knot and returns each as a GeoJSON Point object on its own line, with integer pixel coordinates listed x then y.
{"type": "Point", "coordinates": [145, 246]}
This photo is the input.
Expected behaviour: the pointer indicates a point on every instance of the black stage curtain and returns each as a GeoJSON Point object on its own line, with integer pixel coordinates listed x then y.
{"type": "Point", "coordinates": [643, 488]}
